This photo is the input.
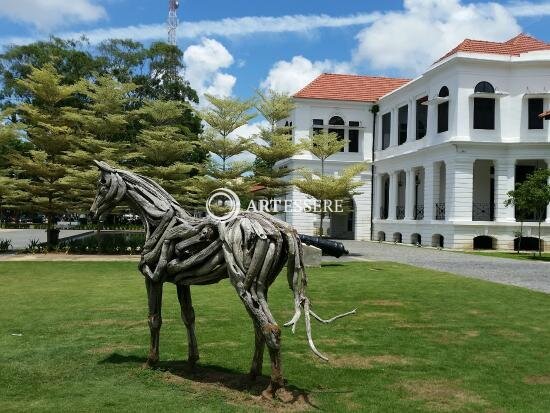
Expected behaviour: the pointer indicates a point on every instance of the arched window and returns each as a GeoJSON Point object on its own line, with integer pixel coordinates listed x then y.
{"type": "Point", "coordinates": [484, 87]}
{"type": "Point", "coordinates": [443, 111]}
{"type": "Point", "coordinates": [337, 121]}
{"type": "Point", "coordinates": [484, 107]}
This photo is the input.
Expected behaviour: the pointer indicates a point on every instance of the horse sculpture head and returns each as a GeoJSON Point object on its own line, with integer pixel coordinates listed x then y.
{"type": "Point", "coordinates": [110, 191]}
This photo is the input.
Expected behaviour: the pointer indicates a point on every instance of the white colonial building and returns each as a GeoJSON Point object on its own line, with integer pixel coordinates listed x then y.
{"type": "Point", "coordinates": [445, 147]}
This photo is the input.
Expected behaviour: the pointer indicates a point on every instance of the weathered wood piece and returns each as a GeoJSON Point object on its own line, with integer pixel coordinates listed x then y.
{"type": "Point", "coordinates": [250, 250]}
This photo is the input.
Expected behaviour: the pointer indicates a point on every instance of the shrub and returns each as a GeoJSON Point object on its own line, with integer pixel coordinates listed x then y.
{"type": "Point", "coordinates": [129, 243]}
{"type": "Point", "coordinates": [5, 245]}
{"type": "Point", "coordinates": [35, 246]}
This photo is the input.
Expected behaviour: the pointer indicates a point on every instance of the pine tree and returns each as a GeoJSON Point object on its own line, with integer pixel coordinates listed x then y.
{"type": "Point", "coordinates": [273, 144]}
{"type": "Point", "coordinates": [162, 148]}
{"type": "Point", "coordinates": [223, 117]}
{"type": "Point", "coordinates": [47, 129]}
{"type": "Point", "coordinates": [328, 189]}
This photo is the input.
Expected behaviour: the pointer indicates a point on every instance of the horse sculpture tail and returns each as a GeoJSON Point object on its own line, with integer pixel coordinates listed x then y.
{"type": "Point", "coordinates": [297, 280]}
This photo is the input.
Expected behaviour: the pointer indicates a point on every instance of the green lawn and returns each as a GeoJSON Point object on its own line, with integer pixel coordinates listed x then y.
{"type": "Point", "coordinates": [421, 341]}
{"type": "Point", "coordinates": [514, 255]}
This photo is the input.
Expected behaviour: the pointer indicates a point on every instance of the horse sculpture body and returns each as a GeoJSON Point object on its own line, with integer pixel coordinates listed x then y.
{"type": "Point", "coordinates": [250, 250]}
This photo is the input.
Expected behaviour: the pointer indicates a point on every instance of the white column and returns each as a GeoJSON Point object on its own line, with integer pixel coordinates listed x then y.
{"type": "Point", "coordinates": [429, 191]}
{"type": "Point", "coordinates": [505, 170]}
{"type": "Point", "coordinates": [409, 193]}
{"type": "Point", "coordinates": [436, 185]}
{"type": "Point", "coordinates": [393, 134]}
{"type": "Point", "coordinates": [461, 187]}
{"type": "Point", "coordinates": [411, 127]}
{"type": "Point", "coordinates": [377, 195]}
{"type": "Point", "coordinates": [392, 203]}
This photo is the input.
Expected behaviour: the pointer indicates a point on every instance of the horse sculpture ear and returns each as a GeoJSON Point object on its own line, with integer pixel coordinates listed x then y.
{"type": "Point", "coordinates": [104, 167]}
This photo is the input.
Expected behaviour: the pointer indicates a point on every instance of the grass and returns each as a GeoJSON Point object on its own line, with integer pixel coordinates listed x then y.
{"type": "Point", "coordinates": [74, 336]}
{"type": "Point", "coordinates": [534, 256]}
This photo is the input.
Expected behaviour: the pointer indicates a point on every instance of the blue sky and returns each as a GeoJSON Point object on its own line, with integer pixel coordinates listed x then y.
{"type": "Point", "coordinates": [233, 47]}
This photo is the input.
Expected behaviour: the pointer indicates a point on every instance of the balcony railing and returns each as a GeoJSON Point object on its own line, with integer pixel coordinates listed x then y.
{"type": "Point", "coordinates": [483, 211]}
{"type": "Point", "coordinates": [418, 212]}
{"type": "Point", "coordinates": [383, 212]}
{"type": "Point", "coordinates": [440, 211]}
{"type": "Point", "coordinates": [399, 212]}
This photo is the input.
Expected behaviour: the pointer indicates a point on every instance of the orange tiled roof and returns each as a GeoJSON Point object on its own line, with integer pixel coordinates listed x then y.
{"type": "Point", "coordinates": [522, 43]}
{"type": "Point", "coordinates": [350, 87]}
{"type": "Point", "coordinates": [545, 115]}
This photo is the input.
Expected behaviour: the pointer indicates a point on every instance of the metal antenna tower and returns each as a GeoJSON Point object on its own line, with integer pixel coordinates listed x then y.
{"type": "Point", "coordinates": [173, 6]}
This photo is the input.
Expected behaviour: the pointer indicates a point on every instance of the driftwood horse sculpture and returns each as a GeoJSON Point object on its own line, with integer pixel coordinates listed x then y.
{"type": "Point", "coordinates": [250, 250]}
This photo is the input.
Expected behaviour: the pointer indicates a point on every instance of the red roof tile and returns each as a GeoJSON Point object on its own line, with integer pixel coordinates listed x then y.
{"type": "Point", "coordinates": [350, 87]}
{"type": "Point", "coordinates": [545, 115]}
{"type": "Point", "coordinates": [522, 43]}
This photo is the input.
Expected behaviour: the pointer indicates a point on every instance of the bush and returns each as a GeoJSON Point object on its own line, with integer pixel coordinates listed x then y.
{"type": "Point", "coordinates": [35, 246]}
{"type": "Point", "coordinates": [5, 245]}
{"type": "Point", "coordinates": [130, 243]}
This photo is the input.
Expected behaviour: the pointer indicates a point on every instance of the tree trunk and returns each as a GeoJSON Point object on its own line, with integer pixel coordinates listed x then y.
{"type": "Point", "coordinates": [540, 241]}
{"type": "Point", "coordinates": [321, 226]}
{"type": "Point", "coordinates": [520, 235]}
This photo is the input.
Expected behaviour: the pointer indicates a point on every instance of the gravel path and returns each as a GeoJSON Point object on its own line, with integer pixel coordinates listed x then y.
{"type": "Point", "coordinates": [534, 275]}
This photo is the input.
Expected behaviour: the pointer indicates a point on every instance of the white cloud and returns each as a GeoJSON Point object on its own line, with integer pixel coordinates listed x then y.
{"type": "Point", "coordinates": [249, 130]}
{"type": "Point", "coordinates": [229, 27]}
{"type": "Point", "coordinates": [204, 63]}
{"type": "Point", "coordinates": [528, 9]}
{"type": "Point", "coordinates": [412, 39]}
{"type": "Point", "coordinates": [291, 76]}
{"type": "Point", "coordinates": [48, 14]}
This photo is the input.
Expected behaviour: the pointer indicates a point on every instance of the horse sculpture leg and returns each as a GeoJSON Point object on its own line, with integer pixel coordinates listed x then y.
{"type": "Point", "coordinates": [188, 318]}
{"type": "Point", "coordinates": [258, 359]}
{"type": "Point", "coordinates": [154, 297]}
{"type": "Point", "coordinates": [263, 321]}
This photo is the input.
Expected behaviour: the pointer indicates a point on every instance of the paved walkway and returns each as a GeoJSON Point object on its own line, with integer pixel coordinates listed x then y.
{"type": "Point", "coordinates": [534, 275]}
{"type": "Point", "coordinates": [20, 238]}
{"type": "Point", "coordinates": [66, 257]}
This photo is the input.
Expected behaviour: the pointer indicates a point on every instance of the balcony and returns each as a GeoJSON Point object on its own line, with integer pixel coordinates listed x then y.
{"type": "Point", "coordinates": [399, 212]}
{"type": "Point", "coordinates": [483, 211]}
{"type": "Point", "coordinates": [440, 211]}
{"type": "Point", "coordinates": [418, 212]}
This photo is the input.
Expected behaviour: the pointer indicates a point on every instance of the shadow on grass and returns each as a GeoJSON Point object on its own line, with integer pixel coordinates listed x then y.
{"type": "Point", "coordinates": [331, 264]}
{"type": "Point", "coordinates": [214, 375]}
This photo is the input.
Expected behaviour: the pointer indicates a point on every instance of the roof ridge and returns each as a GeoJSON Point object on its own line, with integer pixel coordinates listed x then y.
{"type": "Point", "coordinates": [365, 76]}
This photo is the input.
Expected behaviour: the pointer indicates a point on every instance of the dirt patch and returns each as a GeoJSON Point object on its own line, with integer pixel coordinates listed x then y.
{"type": "Point", "coordinates": [236, 388]}
{"type": "Point", "coordinates": [377, 314]}
{"type": "Point", "coordinates": [512, 335]}
{"type": "Point", "coordinates": [113, 349]}
{"type": "Point", "coordinates": [441, 395]}
{"type": "Point", "coordinates": [356, 361]}
{"type": "Point", "coordinates": [416, 325]}
{"type": "Point", "coordinates": [537, 379]}
{"type": "Point", "coordinates": [113, 323]}
{"type": "Point", "coordinates": [455, 337]}
{"type": "Point", "coordinates": [221, 344]}
{"type": "Point", "coordinates": [337, 341]}
{"type": "Point", "coordinates": [383, 303]}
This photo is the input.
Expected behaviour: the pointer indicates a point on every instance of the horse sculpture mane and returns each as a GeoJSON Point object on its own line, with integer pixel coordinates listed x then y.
{"type": "Point", "coordinates": [250, 250]}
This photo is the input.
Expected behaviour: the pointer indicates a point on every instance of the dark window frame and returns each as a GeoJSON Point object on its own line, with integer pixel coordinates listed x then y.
{"type": "Point", "coordinates": [386, 130]}
{"type": "Point", "coordinates": [337, 121]}
{"type": "Point", "coordinates": [353, 137]}
{"type": "Point", "coordinates": [484, 113]}
{"type": "Point", "coordinates": [535, 106]}
{"type": "Point", "coordinates": [421, 118]}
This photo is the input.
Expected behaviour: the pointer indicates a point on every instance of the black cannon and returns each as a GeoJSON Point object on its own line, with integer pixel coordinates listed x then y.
{"type": "Point", "coordinates": [327, 246]}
